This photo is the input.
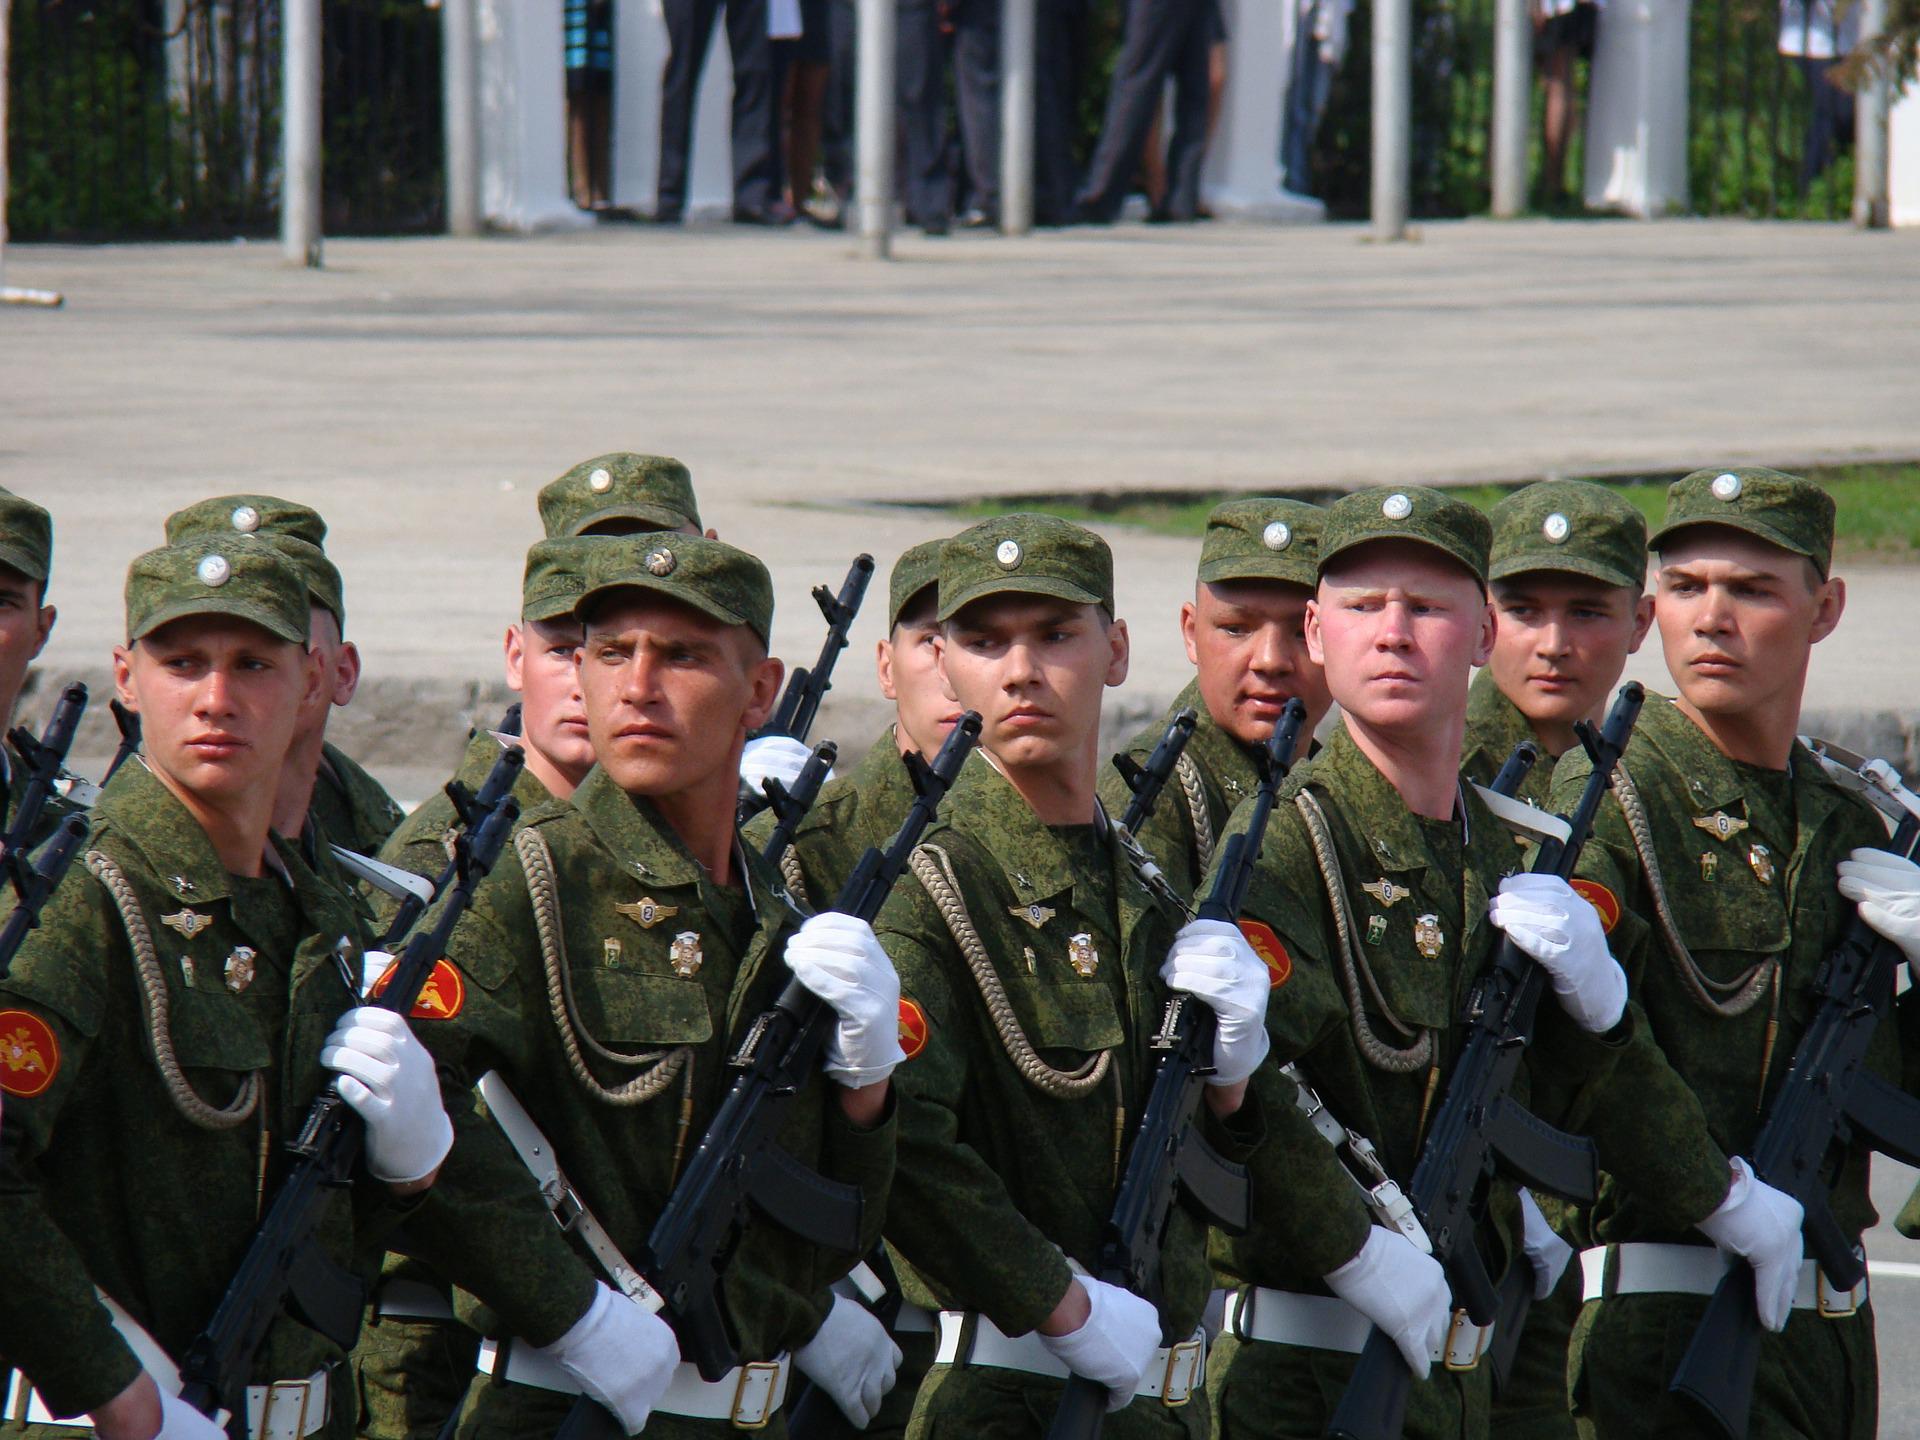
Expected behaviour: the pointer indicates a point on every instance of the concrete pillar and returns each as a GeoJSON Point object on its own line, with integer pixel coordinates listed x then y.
{"type": "Point", "coordinates": [1637, 109]}
{"type": "Point", "coordinates": [1512, 105]}
{"type": "Point", "coordinates": [300, 133]}
{"type": "Point", "coordinates": [1017, 29]}
{"type": "Point", "coordinates": [874, 125]}
{"type": "Point", "coordinates": [1903, 157]}
{"type": "Point", "coordinates": [1392, 116]}
{"type": "Point", "coordinates": [1242, 178]}
{"type": "Point", "coordinates": [1870, 107]}
{"type": "Point", "coordinates": [460, 114]}
{"type": "Point", "coordinates": [523, 117]}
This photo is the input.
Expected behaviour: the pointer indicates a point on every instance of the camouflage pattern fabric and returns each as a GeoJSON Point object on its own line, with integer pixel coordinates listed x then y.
{"type": "Point", "coordinates": [350, 807]}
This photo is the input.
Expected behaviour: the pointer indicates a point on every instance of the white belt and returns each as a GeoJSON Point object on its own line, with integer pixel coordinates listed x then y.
{"type": "Point", "coordinates": [914, 1320]}
{"type": "Point", "coordinates": [1170, 1377]}
{"type": "Point", "coordinates": [404, 1299]}
{"type": "Point", "coordinates": [284, 1410]}
{"type": "Point", "coordinates": [1324, 1322]}
{"type": "Point", "coordinates": [748, 1395]}
{"type": "Point", "coordinates": [861, 1283]}
{"type": "Point", "coordinates": [1644, 1268]}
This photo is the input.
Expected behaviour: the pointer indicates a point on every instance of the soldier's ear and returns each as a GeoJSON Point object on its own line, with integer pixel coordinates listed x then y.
{"type": "Point", "coordinates": [1310, 624]}
{"type": "Point", "coordinates": [514, 648]}
{"type": "Point", "coordinates": [1642, 621]}
{"type": "Point", "coordinates": [123, 676]}
{"type": "Point", "coordinates": [1483, 643]}
{"type": "Point", "coordinates": [883, 667]}
{"type": "Point", "coordinates": [1829, 601]}
{"type": "Point", "coordinates": [1189, 627]}
{"type": "Point", "coordinates": [1119, 653]}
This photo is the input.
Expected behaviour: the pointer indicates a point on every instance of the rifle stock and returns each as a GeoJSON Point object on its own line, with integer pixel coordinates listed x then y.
{"type": "Point", "coordinates": [1159, 1164]}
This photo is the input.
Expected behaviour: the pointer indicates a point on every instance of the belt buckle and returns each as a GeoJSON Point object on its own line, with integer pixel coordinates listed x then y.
{"type": "Point", "coordinates": [1837, 1304]}
{"type": "Point", "coordinates": [275, 1392]}
{"type": "Point", "coordinates": [1185, 1360]}
{"type": "Point", "coordinates": [1462, 1357]}
{"type": "Point", "coordinates": [758, 1380]}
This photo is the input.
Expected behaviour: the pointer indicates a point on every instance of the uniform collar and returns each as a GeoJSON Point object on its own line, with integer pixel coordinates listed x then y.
{"type": "Point", "coordinates": [150, 819]}
{"type": "Point", "coordinates": [633, 830]}
{"type": "Point", "coordinates": [1228, 761]}
{"type": "Point", "coordinates": [1393, 835]}
{"type": "Point", "coordinates": [1714, 781]}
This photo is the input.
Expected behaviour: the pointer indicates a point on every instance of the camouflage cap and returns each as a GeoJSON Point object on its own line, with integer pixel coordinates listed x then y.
{"type": "Point", "coordinates": [555, 576]}
{"type": "Point", "coordinates": [1781, 509]}
{"type": "Point", "coordinates": [295, 530]}
{"type": "Point", "coordinates": [1262, 539]}
{"type": "Point", "coordinates": [1410, 512]}
{"type": "Point", "coordinates": [235, 575]}
{"type": "Point", "coordinates": [916, 570]}
{"type": "Point", "coordinates": [649, 490]}
{"type": "Point", "coordinates": [1025, 554]}
{"type": "Point", "coordinates": [1572, 526]}
{"type": "Point", "coordinates": [710, 575]}
{"type": "Point", "coordinates": [26, 537]}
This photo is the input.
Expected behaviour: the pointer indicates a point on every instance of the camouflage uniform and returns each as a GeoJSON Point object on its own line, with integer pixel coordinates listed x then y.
{"type": "Point", "coordinates": [663, 968]}
{"type": "Point", "coordinates": [1747, 855]}
{"type": "Point", "coordinates": [128, 1174]}
{"type": "Point", "coordinates": [26, 545]}
{"type": "Point", "coordinates": [1565, 527]}
{"type": "Point", "coordinates": [1417, 891]}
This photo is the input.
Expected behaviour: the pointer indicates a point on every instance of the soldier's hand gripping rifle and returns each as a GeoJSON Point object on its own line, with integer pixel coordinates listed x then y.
{"type": "Point", "coordinates": [284, 1265]}
{"type": "Point", "coordinates": [1826, 1101]}
{"type": "Point", "coordinates": [1479, 1127]}
{"type": "Point", "coordinates": [1170, 1156]}
{"type": "Point", "coordinates": [35, 877]}
{"type": "Point", "coordinates": [739, 1164]}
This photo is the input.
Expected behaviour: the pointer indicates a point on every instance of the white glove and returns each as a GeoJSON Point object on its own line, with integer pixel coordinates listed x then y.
{"type": "Point", "coordinates": [1544, 916]}
{"type": "Point", "coordinates": [1211, 960]}
{"type": "Point", "coordinates": [622, 1355]}
{"type": "Point", "coordinates": [773, 757]}
{"type": "Point", "coordinates": [1545, 1250]}
{"type": "Point", "coordinates": [1886, 888]}
{"type": "Point", "coordinates": [1402, 1291]}
{"type": "Point", "coordinates": [1762, 1226]}
{"type": "Point", "coordinates": [839, 959]}
{"type": "Point", "coordinates": [387, 1076]}
{"type": "Point", "coordinates": [1116, 1343]}
{"type": "Point", "coordinates": [853, 1359]}
{"type": "Point", "coordinates": [180, 1421]}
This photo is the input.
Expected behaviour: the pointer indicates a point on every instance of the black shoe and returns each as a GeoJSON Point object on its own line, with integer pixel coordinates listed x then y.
{"type": "Point", "coordinates": [936, 226]}
{"type": "Point", "coordinates": [666, 215]}
{"type": "Point", "coordinates": [776, 214]}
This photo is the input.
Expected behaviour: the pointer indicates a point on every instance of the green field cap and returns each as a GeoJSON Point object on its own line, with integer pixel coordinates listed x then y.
{"type": "Point", "coordinates": [653, 492]}
{"type": "Point", "coordinates": [712, 576]}
{"type": "Point", "coordinates": [1265, 538]}
{"type": "Point", "coordinates": [237, 575]}
{"type": "Point", "coordinates": [26, 537]}
{"type": "Point", "coordinates": [555, 577]}
{"type": "Point", "coordinates": [1025, 554]}
{"type": "Point", "coordinates": [295, 530]}
{"type": "Point", "coordinates": [1781, 509]}
{"type": "Point", "coordinates": [1573, 526]}
{"type": "Point", "coordinates": [916, 570]}
{"type": "Point", "coordinates": [1408, 512]}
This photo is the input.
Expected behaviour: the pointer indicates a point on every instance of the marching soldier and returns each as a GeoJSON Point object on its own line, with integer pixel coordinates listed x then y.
{"type": "Point", "coordinates": [1031, 963]}
{"type": "Point", "coordinates": [351, 808]}
{"type": "Point", "coordinates": [1715, 864]}
{"type": "Point", "coordinates": [1382, 889]}
{"type": "Point", "coordinates": [608, 968]}
{"type": "Point", "coordinates": [1245, 635]}
{"type": "Point", "coordinates": [1568, 576]}
{"type": "Point", "coordinates": [169, 1022]}
{"type": "Point", "coordinates": [26, 620]}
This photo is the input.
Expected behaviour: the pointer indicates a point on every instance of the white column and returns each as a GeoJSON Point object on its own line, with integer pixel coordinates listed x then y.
{"type": "Point", "coordinates": [1242, 177]}
{"type": "Point", "coordinates": [300, 133]}
{"type": "Point", "coordinates": [639, 59]}
{"type": "Point", "coordinates": [1903, 157]}
{"type": "Point", "coordinates": [460, 115]}
{"type": "Point", "coordinates": [874, 125]}
{"type": "Point", "coordinates": [1392, 116]}
{"type": "Point", "coordinates": [1512, 105]}
{"type": "Point", "coordinates": [1017, 25]}
{"type": "Point", "coordinates": [1870, 108]}
{"type": "Point", "coordinates": [523, 117]}
{"type": "Point", "coordinates": [1637, 120]}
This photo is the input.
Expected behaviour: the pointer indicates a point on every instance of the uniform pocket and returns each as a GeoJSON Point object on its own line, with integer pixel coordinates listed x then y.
{"type": "Point", "coordinates": [637, 1008]}
{"type": "Point", "coordinates": [213, 1030]}
{"type": "Point", "coordinates": [1083, 1018]}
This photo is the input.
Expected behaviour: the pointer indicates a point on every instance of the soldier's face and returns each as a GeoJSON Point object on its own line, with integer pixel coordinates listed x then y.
{"type": "Point", "coordinates": [1248, 639]}
{"type": "Point", "coordinates": [1560, 642]}
{"type": "Point", "coordinates": [220, 701]}
{"type": "Point", "coordinates": [553, 713]}
{"type": "Point", "coordinates": [1739, 619]}
{"type": "Point", "coordinates": [24, 626]}
{"type": "Point", "coordinates": [670, 694]}
{"type": "Point", "coordinates": [1035, 668]}
{"type": "Point", "coordinates": [909, 671]}
{"type": "Point", "coordinates": [1399, 629]}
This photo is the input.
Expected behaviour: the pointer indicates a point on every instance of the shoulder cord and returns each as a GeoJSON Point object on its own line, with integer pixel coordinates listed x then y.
{"type": "Point", "coordinates": [1353, 965]}
{"type": "Point", "coordinates": [153, 992]}
{"type": "Point", "coordinates": [1196, 796]}
{"type": "Point", "coordinates": [1725, 998]}
{"type": "Point", "coordinates": [935, 872]}
{"type": "Point", "coordinates": [795, 878]}
{"type": "Point", "coordinates": [665, 1065]}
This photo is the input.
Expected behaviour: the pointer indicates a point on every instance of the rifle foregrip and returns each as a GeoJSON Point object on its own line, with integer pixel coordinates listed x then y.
{"type": "Point", "coordinates": [1082, 1411]}
{"type": "Point", "coordinates": [1374, 1406]}
{"type": "Point", "coordinates": [1718, 1370]}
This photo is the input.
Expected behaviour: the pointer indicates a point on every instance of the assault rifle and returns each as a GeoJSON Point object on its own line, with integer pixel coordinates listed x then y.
{"type": "Point", "coordinates": [1169, 1154]}
{"type": "Point", "coordinates": [284, 1264]}
{"type": "Point", "coordinates": [35, 877]}
{"type": "Point", "coordinates": [790, 807]}
{"type": "Point", "coordinates": [1147, 781]}
{"type": "Point", "coordinates": [1827, 1101]}
{"type": "Point", "coordinates": [1479, 1128]}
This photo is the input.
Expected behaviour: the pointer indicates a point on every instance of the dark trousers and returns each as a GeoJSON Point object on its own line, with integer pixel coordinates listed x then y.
{"type": "Point", "coordinates": [921, 79]}
{"type": "Point", "coordinates": [1163, 38]}
{"type": "Point", "coordinates": [976, 75]}
{"type": "Point", "coordinates": [689, 31]}
{"type": "Point", "coordinates": [836, 122]}
{"type": "Point", "coordinates": [1058, 61]}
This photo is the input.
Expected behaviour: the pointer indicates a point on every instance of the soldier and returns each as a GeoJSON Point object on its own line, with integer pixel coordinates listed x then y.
{"type": "Point", "coordinates": [1030, 956]}
{"type": "Point", "coordinates": [1382, 889]}
{"type": "Point", "coordinates": [1715, 865]}
{"type": "Point", "coordinates": [26, 620]}
{"type": "Point", "coordinates": [1245, 633]}
{"type": "Point", "coordinates": [1568, 576]}
{"type": "Point", "coordinates": [351, 808]}
{"type": "Point", "coordinates": [608, 968]}
{"type": "Point", "coordinates": [173, 1017]}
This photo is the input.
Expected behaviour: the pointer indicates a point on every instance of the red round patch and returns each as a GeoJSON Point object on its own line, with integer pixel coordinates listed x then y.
{"type": "Point", "coordinates": [440, 998]}
{"type": "Point", "coordinates": [1267, 946]}
{"type": "Point", "coordinates": [1602, 899]}
{"type": "Point", "coordinates": [29, 1054]}
{"type": "Point", "coordinates": [913, 1028]}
